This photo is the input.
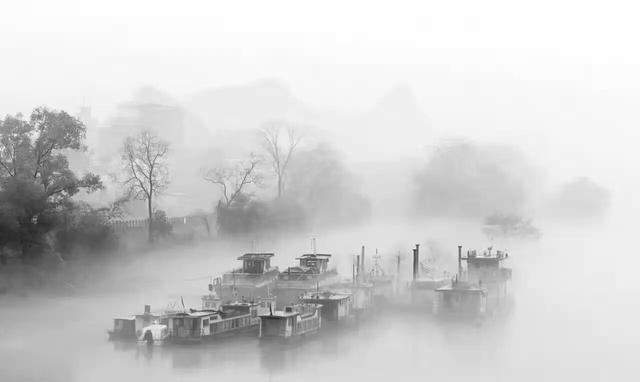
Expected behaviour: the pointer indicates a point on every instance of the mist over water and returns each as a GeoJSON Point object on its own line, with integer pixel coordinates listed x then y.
{"type": "Point", "coordinates": [420, 122]}
{"type": "Point", "coordinates": [573, 318]}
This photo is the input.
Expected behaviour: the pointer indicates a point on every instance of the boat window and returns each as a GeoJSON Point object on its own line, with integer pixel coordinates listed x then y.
{"type": "Point", "coordinates": [205, 322]}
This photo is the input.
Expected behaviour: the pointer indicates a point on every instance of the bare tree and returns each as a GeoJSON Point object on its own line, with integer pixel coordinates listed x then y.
{"type": "Point", "coordinates": [232, 180]}
{"type": "Point", "coordinates": [145, 162]}
{"type": "Point", "coordinates": [280, 152]}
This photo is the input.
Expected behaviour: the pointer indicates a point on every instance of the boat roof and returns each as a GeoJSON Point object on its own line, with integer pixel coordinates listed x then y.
{"type": "Point", "coordinates": [125, 318]}
{"type": "Point", "coordinates": [297, 269]}
{"type": "Point", "coordinates": [326, 296]}
{"type": "Point", "coordinates": [195, 314]}
{"type": "Point", "coordinates": [280, 314]}
{"type": "Point", "coordinates": [313, 255]}
{"type": "Point", "coordinates": [462, 288]}
{"type": "Point", "coordinates": [255, 256]}
{"type": "Point", "coordinates": [292, 313]}
{"type": "Point", "coordinates": [489, 254]}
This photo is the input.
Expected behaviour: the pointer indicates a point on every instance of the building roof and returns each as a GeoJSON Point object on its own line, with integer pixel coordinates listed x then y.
{"type": "Point", "coordinates": [255, 256]}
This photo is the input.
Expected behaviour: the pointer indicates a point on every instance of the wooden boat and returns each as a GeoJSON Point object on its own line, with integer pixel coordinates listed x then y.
{"type": "Point", "coordinates": [312, 272]}
{"type": "Point", "coordinates": [254, 280]}
{"type": "Point", "coordinates": [154, 334]}
{"type": "Point", "coordinates": [460, 300]}
{"type": "Point", "coordinates": [293, 322]}
{"type": "Point", "coordinates": [206, 325]}
{"type": "Point", "coordinates": [129, 328]}
{"type": "Point", "coordinates": [362, 296]}
{"type": "Point", "coordinates": [486, 269]}
{"type": "Point", "coordinates": [336, 307]}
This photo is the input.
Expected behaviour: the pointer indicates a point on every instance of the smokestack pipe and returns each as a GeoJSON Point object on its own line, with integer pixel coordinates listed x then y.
{"type": "Point", "coordinates": [362, 264]}
{"type": "Point", "coordinates": [358, 266]}
{"type": "Point", "coordinates": [416, 261]}
{"type": "Point", "coordinates": [353, 272]}
{"type": "Point", "coordinates": [460, 261]}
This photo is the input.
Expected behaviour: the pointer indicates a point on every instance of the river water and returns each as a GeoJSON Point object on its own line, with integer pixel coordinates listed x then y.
{"type": "Point", "coordinates": [575, 317]}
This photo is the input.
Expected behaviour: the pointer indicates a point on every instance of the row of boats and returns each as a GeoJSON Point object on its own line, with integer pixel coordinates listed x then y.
{"type": "Point", "coordinates": [305, 298]}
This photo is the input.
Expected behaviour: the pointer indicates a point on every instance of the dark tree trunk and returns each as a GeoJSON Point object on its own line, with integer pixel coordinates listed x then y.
{"type": "Point", "coordinates": [150, 220]}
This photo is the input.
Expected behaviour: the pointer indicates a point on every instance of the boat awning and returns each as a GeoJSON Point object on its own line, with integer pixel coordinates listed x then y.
{"type": "Point", "coordinates": [256, 256]}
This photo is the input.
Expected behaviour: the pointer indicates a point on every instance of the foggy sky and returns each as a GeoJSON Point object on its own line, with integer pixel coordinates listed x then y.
{"type": "Point", "coordinates": [333, 54]}
{"type": "Point", "coordinates": [557, 77]}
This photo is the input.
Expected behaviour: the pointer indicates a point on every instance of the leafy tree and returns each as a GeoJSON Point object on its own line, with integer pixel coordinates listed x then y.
{"type": "Point", "coordinates": [320, 180]}
{"type": "Point", "coordinates": [145, 163]}
{"type": "Point", "coordinates": [84, 229]}
{"type": "Point", "coordinates": [35, 179]}
{"type": "Point", "coordinates": [160, 225]}
{"type": "Point", "coordinates": [473, 180]}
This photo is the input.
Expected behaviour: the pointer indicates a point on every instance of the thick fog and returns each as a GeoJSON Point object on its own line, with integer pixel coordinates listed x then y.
{"type": "Point", "coordinates": [463, 123]}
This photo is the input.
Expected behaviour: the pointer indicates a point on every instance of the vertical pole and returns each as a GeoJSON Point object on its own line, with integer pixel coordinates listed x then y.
{"type": "Point", "coordinates": [460, 261]}
{"type": "Point", "coordinates": [353, 272]}
{"type": "Point", "coordinates": [358, 267]}
{"type": "Point", "coordinates": [362, 264]}
{"type": "Point", "coordinates": [415, 264]}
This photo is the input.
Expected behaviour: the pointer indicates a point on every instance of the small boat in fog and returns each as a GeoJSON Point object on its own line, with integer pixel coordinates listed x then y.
{"type": "Point", "coordinates": [293, 322]}
{"type": "Point", "coordinates": [253, 280]}
{"type": "Point", "coordinates": [129, 328]}
{"type": "Point", "coordinates": [460, 300]}
{"type": "Point", "coordinates": [154, 334]}
{"type": "Point", "coordinates": [336, 307]}
{"type": "Point", "coordinates": [230, 319]}
{"type": "Point", "coordinates": [311, 272]}
{"type": "Point", "coordinates": [478, 291]}
{"type": "Point", "coordinates": [426, 281]}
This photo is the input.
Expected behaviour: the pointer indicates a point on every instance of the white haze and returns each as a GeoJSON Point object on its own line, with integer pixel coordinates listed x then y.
{"type": "Point", "coordinates": [557, 79]}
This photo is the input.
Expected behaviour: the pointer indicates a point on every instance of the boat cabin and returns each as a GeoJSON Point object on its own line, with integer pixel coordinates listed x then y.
{"type": "Point", "coordinates": [316, 261]}
{"type": "Point", "coordinates": [197, 325]}
{"type": "Point", "coordinates": [253, 280]}
{"type": "Point", "coordinates": [211, 302]}
{"type": "Point", "coordinates": [460, 299]}
{"type": "Point", "coordinates": [311, 273]}
{"type": "Point", "coordinates": [335, 306]}
{"type": "Point", "coordinates": [294, 321]}
{"type": "Point", "coordinates": [130, 327]}
{"type": "Point", "coordinates": [256, 263]}
{"type": "Point", "coordinates": [123, 328]}
{"type": "Point", "coordinates": [486, 268]}
{"type": "Point", "coordinates": [362, 294]}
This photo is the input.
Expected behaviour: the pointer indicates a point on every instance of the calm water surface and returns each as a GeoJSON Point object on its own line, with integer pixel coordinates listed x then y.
{"type": "Point", "coordinates": [574, 319]}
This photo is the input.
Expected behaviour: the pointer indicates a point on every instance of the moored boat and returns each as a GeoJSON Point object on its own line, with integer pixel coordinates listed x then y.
{"type": "Point", "coordinates": [293, 322]}
{"type": "Point", "coordinates": [311, 272]}
{"type": "Point", "coordinates": [255, 279]}
{"type": "Point", "coordinates": [460, 300]}
{"type": "Point", "coordinates": [154, 334]}
{"type": "Point", "coordinates": [230, 319]}
{"type": "Point", "coordinates": [129, 328]}
{"type": "Point", "coordinates": [336, 307]}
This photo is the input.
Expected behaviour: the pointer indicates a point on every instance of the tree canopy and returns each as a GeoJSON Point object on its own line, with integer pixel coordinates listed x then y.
{"type": "Point", "coordinates": [36, 182]}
